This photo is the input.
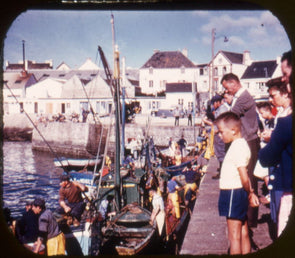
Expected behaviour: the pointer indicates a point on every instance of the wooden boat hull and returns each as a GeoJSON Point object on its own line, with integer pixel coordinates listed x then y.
{"type": "Point", "coordinates": [129, 233]}
{"type": "Point", "coordinates": [77, 164]}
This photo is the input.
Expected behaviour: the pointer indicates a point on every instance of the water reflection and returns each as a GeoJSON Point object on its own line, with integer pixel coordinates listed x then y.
{"type": "Point", "coordinates": [28, 174]}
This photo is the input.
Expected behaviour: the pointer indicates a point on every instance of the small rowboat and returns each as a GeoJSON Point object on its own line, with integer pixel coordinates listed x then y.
{"type": "Point", "coordinates": [130, 232]}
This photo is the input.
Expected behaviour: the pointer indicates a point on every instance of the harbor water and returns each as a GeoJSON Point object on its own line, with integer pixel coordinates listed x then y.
{"type": "Point", "coordinates": [28, 174]}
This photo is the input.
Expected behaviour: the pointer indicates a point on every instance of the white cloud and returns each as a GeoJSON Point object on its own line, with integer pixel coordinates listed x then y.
{"type": "Point", "coordinates": [202, 14]}
{"type": "Point", "coordinates": [236, 41]}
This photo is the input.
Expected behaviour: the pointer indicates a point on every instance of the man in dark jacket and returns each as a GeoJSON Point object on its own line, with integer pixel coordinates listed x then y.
{"type": "Point", "coordinates": [27, 226]}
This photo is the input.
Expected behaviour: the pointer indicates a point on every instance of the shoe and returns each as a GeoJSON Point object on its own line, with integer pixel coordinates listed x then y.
{"type": "Point", "coordinates": [216, 176]}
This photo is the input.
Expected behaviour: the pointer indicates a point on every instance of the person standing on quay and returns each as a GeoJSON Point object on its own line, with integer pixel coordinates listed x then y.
{"type": "Point", "coordinates": [176, 115]}
{"type": "Point", "coordinates": [189, 116]}
{"type": "Point", "coordinates": [244, 106]}
{"type": "Point", "coordinates": [236, 192]}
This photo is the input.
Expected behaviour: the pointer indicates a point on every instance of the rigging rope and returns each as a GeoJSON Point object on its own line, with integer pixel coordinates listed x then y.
{"type": "Point", "coordinates": [43, 138]}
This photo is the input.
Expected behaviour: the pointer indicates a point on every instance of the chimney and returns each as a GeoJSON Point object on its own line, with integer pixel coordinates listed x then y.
{"type": "Point", "coordinates": [185, 52]}
{"type": "Point", "coordinates": [246, 58]}
{"type": "Point", "coordinates": [279, 60]}
{"type": "Point", "coordinates": [49, 62]}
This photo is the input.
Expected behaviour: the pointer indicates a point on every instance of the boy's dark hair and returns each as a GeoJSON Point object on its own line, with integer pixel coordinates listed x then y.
{"type": "Point", "coordinates": [264, 104]}
{"type": "Point", "coordinates": [230, 77]}
{"type": "Point", "coordinates": [229, 118]}
{"type": "Point", "coordinates": [39, 202]}
{"type": "Point", "coordinates": [287, 56]}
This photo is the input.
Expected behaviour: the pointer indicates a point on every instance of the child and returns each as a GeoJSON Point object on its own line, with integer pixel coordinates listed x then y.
{"type": "Point", "coordinates": [235, 189]}
{"type": "Point", "coordinates": [265, 111]}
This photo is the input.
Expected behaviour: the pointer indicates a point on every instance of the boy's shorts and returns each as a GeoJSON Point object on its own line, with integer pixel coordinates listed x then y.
{"type": "Point", "coordinates": [233, 203]}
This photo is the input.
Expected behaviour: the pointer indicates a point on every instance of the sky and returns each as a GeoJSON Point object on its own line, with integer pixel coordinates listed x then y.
{"type": "Point", "coordinates": [74, 36]}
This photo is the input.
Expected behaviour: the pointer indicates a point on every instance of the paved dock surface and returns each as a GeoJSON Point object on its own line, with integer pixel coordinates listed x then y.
{"type": "Point", "coordinates": [207, 231]}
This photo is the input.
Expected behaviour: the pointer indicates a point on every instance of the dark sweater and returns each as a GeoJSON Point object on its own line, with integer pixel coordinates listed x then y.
{"type": "Point", "coordinates": [245, 107]}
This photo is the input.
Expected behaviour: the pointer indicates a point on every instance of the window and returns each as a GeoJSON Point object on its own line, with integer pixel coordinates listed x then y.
{"type": "Point", "coordinates": [201, 71]}
{"type": "Point", "coordinates": [224, 70]}
{"type": "Point", "coordinates": [151, 84]}
{"type": "Point", "coordinates": [36, 107]}
{"type": "Point", "coordinates": [151, 70]}
{"type": "Point", "coordinates": [182, 69]}
{"type": "Point", "coordinates": [215, 71]}
{"type": "Point", "coordinates": [97, 107]}
{"type": "Point", "coordinates": [63, 108]}
{"type": "Point", "coordinates": [180, 101]}
{"type": "Point", "coordinates": [260, 85]}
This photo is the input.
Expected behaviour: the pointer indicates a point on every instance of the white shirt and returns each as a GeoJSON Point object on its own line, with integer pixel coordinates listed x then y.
{"type": "Point", "coordinates": [238, 155]}
{"type": "Point", "coordinates": [158, 201]}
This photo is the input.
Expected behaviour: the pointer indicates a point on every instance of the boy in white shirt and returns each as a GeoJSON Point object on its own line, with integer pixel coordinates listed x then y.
{"type": "Point", "coordinates": [236, 192]}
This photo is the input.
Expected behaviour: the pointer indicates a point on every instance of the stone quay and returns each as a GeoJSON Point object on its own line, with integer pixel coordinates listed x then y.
{"type": "Point", "coordinates": [83, 139]}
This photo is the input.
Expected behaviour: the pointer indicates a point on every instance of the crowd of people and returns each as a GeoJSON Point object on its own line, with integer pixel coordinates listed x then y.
{"type": "Point", "coordinates": [253, 141]}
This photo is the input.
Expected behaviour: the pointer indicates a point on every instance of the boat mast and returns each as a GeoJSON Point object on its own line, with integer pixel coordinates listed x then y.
{"type": "Point", "coordinates": [116, 76]}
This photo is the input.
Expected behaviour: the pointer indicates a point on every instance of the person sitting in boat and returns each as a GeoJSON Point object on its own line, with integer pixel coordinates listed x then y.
{"type": "Point", "coordinates": [27, 226]}
{"type": "Point", "coordinates": [172, 206]}
{"type": "Point", "coordinates": [182, 146]}
{"type": "Point", "coordinates": [105, 208]}
{"type": "Point", "coordinates": [49, 231]}
{"type": "Point", "coordinates": [70, 198]}
{"type": "Point", "coordinates": [177, 155]}
{"type": "Point", "coordinates": [129, 164]}
{"type": "Point", "coordinates": [158, 212]}
{"type": "Point", "coordinates": [191, 177]}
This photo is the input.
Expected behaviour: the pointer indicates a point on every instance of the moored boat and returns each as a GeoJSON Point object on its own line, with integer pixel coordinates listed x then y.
{"type": "Point", "coordinates": [77, 164]}
{"type": "Point", "coordinates": [129, 232]}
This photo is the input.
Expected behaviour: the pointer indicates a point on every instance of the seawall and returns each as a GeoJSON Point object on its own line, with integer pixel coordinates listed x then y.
{"type": "Point", "coordinates": [82, 139]}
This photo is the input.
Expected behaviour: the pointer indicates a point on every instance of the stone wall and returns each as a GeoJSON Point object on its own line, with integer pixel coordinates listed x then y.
{"type": "Point", "coordinates": [83, 139]}
{"type": "Point", "coordinates": [69, 139]}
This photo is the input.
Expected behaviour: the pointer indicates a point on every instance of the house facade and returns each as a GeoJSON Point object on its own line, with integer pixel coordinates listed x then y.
{"type": "Point", "coordinates": [166, 67]}
{"type": "Point", "coordinates": [258, 73]}
{"type": "Point", "coordinates": [164, 81]}
{"type": "Point", "coordinates": [226, 62]}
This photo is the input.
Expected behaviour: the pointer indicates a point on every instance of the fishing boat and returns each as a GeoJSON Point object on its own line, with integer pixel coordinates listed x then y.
{"type": "Point", "coordinates": [77, 164]}
{"type": "Point", "coordinates": [129, 232]}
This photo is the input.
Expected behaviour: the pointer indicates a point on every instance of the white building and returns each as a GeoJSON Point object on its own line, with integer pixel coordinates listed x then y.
{"type": "Point", "coordinates": [258, 73]}
{"type": "Point", "coordinates": [226, 62]}
{"type": "Point", "coordinates": [166, 67]}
